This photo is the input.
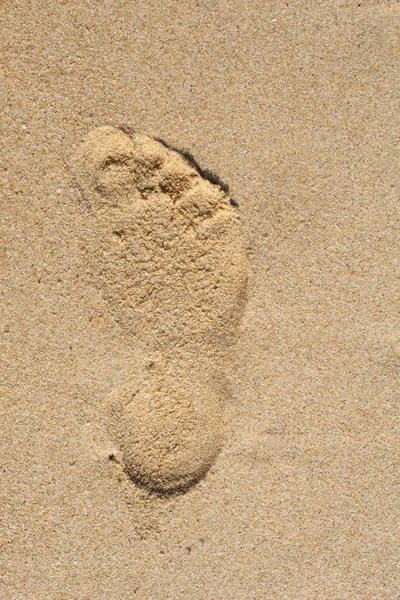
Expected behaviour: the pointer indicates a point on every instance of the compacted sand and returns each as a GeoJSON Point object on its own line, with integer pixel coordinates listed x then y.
{"type": "Point", "coordinates": [199, 317]}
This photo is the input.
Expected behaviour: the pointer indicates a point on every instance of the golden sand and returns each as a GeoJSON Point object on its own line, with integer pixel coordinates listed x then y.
{"type": "Point", "coordinates": [120, 383]}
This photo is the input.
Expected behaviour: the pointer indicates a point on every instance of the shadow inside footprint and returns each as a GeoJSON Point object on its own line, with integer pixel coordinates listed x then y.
{"type": "Point", "coordinates": [188, 156]}
{"type": "Point", "coordinates": [205, 173]}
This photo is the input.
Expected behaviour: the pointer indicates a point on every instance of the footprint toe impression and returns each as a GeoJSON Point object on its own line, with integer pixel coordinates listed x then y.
{"type": "Point", "coordinates": [166, 253]}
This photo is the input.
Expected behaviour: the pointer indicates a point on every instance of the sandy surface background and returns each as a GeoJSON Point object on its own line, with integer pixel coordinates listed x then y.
{"type": "Point", "coordinates": [295, 105]}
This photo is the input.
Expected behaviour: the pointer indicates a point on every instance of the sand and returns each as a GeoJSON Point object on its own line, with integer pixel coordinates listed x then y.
{"type": "Point", "coordinates": [166, 251]}
{"type": "Point", "coordinates": [294, 494]}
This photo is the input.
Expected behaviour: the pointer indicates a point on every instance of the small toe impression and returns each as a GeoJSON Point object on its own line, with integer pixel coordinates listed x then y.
{"type": "Point", "coordinates": [202, 201]}
{"type": "Point", "coordinates": [170, 433]}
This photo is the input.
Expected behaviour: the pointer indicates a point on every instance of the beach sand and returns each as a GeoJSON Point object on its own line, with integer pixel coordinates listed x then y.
{"type": "Point", "coordinates": [288, 488]}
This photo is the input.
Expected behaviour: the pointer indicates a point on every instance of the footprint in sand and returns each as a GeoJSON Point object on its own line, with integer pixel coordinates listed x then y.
{"type": "Point", "coordinates": [168, 257]}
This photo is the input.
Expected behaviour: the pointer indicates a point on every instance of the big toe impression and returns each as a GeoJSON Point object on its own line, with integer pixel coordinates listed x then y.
{"type": "Point", "coordinates": [111, 166]}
